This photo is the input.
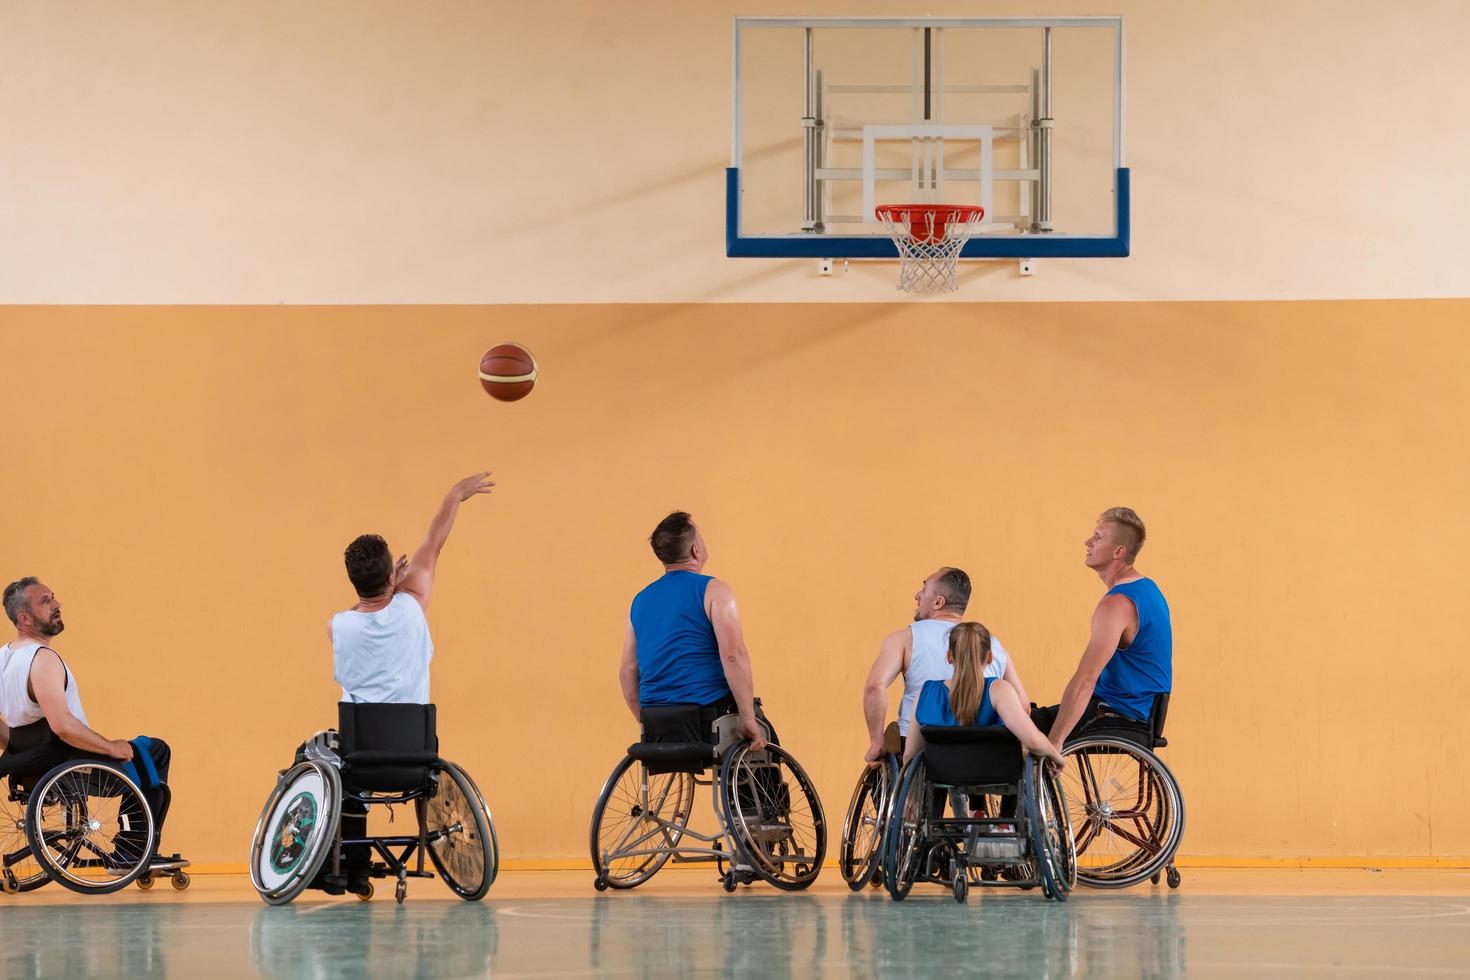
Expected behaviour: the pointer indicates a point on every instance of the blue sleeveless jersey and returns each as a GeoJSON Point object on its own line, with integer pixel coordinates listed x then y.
{"type": "Point", "coordinates": [678, 657]}
{"type": "Point", "coordinates": [1131, 679]}
{"type": "Point", "coordinates": [934, 708]}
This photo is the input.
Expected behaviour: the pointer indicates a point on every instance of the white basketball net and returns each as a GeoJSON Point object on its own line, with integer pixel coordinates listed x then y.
{"type": "Point", "coordinates": [927, 261]}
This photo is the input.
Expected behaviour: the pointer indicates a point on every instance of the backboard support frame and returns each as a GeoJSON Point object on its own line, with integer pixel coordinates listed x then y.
{"type": "Point", "coordinates": [813, 242]}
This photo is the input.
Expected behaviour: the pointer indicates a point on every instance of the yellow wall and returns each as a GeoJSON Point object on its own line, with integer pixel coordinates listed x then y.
{"type": "Point", "coordinates": [488, 151]}
{"type": "Point", "coordinates": [186, 478]}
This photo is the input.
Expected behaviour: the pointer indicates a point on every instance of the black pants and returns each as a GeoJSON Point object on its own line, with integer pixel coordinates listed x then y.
{"type": "Point", "coordinates": [1044, 718]}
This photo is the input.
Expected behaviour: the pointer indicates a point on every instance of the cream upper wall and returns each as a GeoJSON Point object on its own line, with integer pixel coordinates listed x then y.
{"type": "Point", "coordinates": [463, 152]}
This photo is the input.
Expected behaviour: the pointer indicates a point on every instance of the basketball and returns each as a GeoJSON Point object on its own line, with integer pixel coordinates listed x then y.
{"type": "Point", "coordinates": [508, 372]}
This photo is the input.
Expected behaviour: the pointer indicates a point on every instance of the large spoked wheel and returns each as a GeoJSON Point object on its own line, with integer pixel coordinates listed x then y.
{"type": "Point", "coordinates": [21, 872]}
{"type": "Point", "coordinates": [296, 830]}
{"type": "Point", "coordinates": [863, 828]}
{"type": "Point", "coordinates": [89, 827]}
{"type": "Point", "coordinates": [909, 812]}
{"type": "Point", "coordinates": [462, 841]}
{"type": "Point", "coordinates": [774, 814]}
{"type": "Point", "coordinates": [1051, 840]}
{"type": "Point", "coordinates": [638, 823]}
{"type": "Point", "coordinates": [1126, 812]}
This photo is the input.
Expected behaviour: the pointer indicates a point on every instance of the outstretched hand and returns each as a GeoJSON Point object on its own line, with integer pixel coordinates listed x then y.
{"type": "Point", "coordinates": [471, 485]}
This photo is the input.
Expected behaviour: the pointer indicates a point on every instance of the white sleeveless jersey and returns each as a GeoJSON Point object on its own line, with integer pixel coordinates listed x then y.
{"type": "Point", "coordinates": [928, 661]}
{"type": "Point", "coordinates": [16, 705]}
{"type": "Point", "coordinates": [383, 657]}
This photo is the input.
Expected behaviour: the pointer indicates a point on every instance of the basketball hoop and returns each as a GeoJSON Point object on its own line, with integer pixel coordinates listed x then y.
{"type": "Point", "coordinates": [930, 238]}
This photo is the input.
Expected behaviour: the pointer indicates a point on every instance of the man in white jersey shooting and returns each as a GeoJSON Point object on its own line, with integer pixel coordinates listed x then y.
{"type": "Point", "coordinates": [381, 646]}
{"type": "Point", "coordinates": [918, 652]}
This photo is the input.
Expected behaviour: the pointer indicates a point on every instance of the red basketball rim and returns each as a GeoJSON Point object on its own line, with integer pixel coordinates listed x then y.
{"type": "Point", "coordinates": [918, 216]}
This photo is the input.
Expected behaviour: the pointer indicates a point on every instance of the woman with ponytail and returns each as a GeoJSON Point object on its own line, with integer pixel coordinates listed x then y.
{"type": "Point", "coordinates": [971, 698]}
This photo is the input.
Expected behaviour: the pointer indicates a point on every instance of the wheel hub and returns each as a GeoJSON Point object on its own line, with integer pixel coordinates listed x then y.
{"type": "Point", "coordinates": [94, 825]}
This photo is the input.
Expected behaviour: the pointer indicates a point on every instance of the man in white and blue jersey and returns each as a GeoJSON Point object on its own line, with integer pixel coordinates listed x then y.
{"type": "Point", "coordinates": [684, 643]}
{"type": "Point", "coordinates": [1130, 657]}
{"type": "Point", "coordinates": [919, 653]}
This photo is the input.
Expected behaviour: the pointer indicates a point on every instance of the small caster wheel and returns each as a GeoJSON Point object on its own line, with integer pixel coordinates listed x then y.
{"type": "Point", "coordinates": [400, 892]}
{"type": "Point", "coordinates": [145, 881]}
{"type": "Point", "coordinates": [180, 881]}
{"type": "Point", "coordinates": [729, 881]}
{"type": "Point", "coordinates": [961, 887]}
{"type": "Point", "coordinates": [1174, 878]}
{"type": "Point", "coordinates": [1154, 878]}
{"type": "Point", "coordinates": [366, 895]}
{"type": "Point", "coordinates": [8, 884]}
{"type": "Point", "coordinates": [877, 879]}
{"type": "Point", "coordinates": [601, 883]}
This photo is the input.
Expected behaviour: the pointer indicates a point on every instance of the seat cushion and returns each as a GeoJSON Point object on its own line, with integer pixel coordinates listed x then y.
{"type": "Point", "coordinates": [665, 757]}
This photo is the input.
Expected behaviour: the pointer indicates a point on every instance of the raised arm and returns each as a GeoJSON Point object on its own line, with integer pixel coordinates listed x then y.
{"type": "Point", "coordinates": [628, 672]}
{"type": "Point", "coordinates": [1016, 714]}
{"type": "Point", "coordinates": [48, 687]}
{"type": "Point", "coordinates": [416, 575]}
{"type": "Point", "coordinates": [719, 601]}
{"type": "Point", "coordinates": [1112, 616]}
{"type": "Point", "coordinates": [875, 691]}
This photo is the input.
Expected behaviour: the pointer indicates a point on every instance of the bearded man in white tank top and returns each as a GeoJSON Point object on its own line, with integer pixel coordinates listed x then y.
{"type": "Point", "coordinates": [42, 722]}
{"type": "Point", "coordinates": [918, 652]}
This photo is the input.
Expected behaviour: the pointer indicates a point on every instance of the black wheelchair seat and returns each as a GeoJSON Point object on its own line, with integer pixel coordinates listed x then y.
{"type": "Point", "coordinates": [1148, 734]}
{"type": "Point", "coordinates": [676, 738]}
{"type": "Point", "coordinates": [387, 748]}
{"type": "Point", "coordinates": [969, 755]}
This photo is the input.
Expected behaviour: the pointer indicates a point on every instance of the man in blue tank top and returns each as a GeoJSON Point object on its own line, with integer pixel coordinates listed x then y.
{"type": "Point", "coordinates": [1130, 656]}
{"type": "Point", "coordinates": [684, 643]}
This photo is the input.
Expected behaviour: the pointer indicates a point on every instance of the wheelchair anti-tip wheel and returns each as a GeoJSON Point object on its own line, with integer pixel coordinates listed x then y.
{"type": "Point", "coordinates": [296, 830]}
{"type": "Point", "coordinates": [773, 813]}
{"type": "Point", "coordinates": [639, 819]}
{"type": "Point", "coordinates": [89, 827]}
{"type": "Point", "coordinates": [462, 841]}
{"type": "Point", "coordinates": [1126, 812]}
{"type": "Point", "coordinates": [863, 829]}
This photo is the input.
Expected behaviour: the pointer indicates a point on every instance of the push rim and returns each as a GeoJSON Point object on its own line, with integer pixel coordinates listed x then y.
{"type": "Point", "coordinates": [775, 815]}
{"type": "Point", "coordinates": [1125, 811]}
{"type": "Point", "coordinates": [862, 831]}
{"type": "Point", "coordinates": [462, 840]}
{"type": "Point", "coordinates": [316, 846]}
{"type": "Point", "coordinates": [906, 814]}
{"type": "Point", "coordinates": [649, 822]}
{"type": "Point", "coordinates": [89, 827]}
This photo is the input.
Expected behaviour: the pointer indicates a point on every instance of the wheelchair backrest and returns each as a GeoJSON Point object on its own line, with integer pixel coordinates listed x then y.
{"type": "Point", "coordinates": [968, 755]}
{"type": "Point", "coordinates": [407, 728]}
{"type": "Point", "coordinates": [1158, 714]}
{"type": "Point", "coordinates": [685, 723]}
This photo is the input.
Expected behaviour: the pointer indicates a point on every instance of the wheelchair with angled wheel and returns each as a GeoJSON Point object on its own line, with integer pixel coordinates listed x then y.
{"type": "Point", "coordinates": [1127, 811]}
{"type": "Point", "coordinates": [860, 856]}
{"type": "Point", "coordinates": [86, 823]}
{"type": "Point", "coordinates": [985, 846]}
{"type": "Point", "coordinates": [769, 822]}
{"type": "Point", "coordinates": [380, 755]}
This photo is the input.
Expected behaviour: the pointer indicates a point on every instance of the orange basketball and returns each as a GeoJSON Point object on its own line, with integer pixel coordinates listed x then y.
{"type": "Point", "coordinates": [508, 372]}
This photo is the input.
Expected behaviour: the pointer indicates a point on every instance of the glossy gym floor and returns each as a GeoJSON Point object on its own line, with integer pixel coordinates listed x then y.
{"type": "Point", "coordinates": [1221, 923]}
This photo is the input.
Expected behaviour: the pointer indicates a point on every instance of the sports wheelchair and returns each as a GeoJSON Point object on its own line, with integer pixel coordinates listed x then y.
{"type": "Point", "coordinates": [85, 823]}
{"type": "Point", "coordinates": [770, 824]}
{"type": "Point", "coordinates": [380, 755]}
{"type": "Point", "coordinates": [1126, 809]}
{"type": "Point", "coordinates": [1029, 848]}
{"type": "Point", "coordinates": [863, 829]}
